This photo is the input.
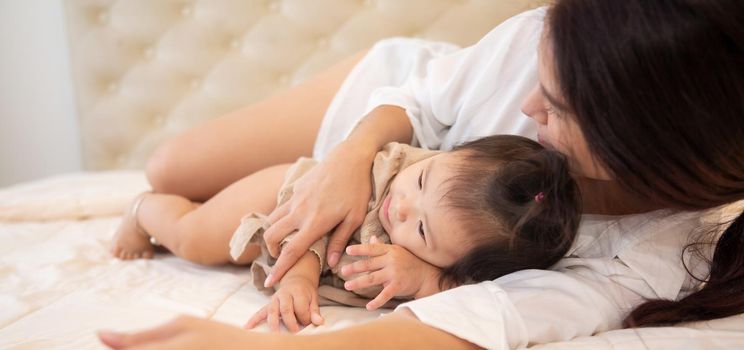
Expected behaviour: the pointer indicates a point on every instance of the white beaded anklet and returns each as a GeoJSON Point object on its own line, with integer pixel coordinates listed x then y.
{"type": "Point", "coordinates": [135, 212]}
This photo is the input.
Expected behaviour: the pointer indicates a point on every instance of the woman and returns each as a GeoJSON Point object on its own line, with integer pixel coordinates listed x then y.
{"type": "Point", "coordinates": [644, 97]}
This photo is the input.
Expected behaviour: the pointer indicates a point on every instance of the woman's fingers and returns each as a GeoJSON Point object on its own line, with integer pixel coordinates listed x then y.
{"type": "Point", "coordinates": [291, 252]}
{"type": "Point", "coordinates": [117, 340]}
{"type": "Point", "coordinates": [367, 249]}
{"type": "Point", "coordinates": [367, 280]}
{"type": "Point", "coordinates": [280, 229]}
{"type": "Point", "coordinates": [385, 295]}
{"type": "Point", "coordinates": [279, 212]}
{"type": "Point", "coordinates": [257, 318]}
{"type": "Point", "coordinates": [340, 237]}
{"type": "Point", "coordinates": [366, 265]}
{"type": "Point", "coordinates": [286, 308]}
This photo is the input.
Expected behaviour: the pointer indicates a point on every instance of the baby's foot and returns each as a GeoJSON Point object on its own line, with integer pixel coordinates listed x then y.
{"type": "Point", "coordinates": [130, 242]}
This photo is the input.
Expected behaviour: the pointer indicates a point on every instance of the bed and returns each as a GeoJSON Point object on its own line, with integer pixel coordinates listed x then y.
{"type": "Point", "coordinates": [138, 80]}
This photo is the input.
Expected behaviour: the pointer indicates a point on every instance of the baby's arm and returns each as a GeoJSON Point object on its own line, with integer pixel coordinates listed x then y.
{"type": "Point", "coordinates": [295, 300]}
{"type": "Point", "coordinates": [306, 270]}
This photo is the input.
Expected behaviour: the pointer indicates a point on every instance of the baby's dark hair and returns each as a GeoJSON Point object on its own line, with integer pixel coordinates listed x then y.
{"type": "Point", "coordinates": [518, 202]}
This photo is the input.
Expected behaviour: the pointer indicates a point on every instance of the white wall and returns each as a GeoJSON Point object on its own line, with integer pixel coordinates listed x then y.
{"type": "Point", "coordinates": [38, 123]}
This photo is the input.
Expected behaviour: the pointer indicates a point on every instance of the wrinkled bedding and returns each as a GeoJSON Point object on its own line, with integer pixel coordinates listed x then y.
{"type": "Point", "coordinates": [58, 283]}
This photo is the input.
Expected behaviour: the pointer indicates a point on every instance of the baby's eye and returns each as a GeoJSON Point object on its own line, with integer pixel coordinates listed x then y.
{"type": "Point", "coordinates": [421, 231]}
{"type": "Point", "coordinates": [421, 176]}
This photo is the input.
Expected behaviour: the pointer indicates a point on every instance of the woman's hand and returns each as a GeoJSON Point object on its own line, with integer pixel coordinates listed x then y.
{"type": "Point", "coordinates": [402, 328]}
{"type": "Point", "coordinates": [333, 196]}
{"type": "Point", "coordinates": [296, 300]}
{"type": "Point", "coordinates": [186, 332]}
{"type": "Point", "coordinates": [399, 272]}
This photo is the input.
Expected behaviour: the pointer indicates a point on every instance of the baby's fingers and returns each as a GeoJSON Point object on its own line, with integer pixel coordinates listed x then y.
{"type": "Point", "coordinates": [315, 316]}
{"type": "Point", "coordinates": [370, 249]}
{"type": "Point", "coordinates": [385, 295]}
{"type": "Point", "coordinates": [302, 308]}
{"type": "Point", "coordinates": [272, 317]}
{"type": "Point", "coordinates": [257, 318]}
{"type": "Point", "coordinates": [286, 308]}
{"type": "Point", "coordinates": [366, 265]}
{"type": "Point", "coordinates": [368, 280]}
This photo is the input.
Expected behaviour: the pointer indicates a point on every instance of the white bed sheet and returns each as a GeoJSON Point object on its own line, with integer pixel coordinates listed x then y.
{"type": "Point", "coordinates": [58, 283]}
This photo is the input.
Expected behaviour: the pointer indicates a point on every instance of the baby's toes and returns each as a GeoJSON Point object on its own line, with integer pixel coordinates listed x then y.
{"type": "Point", "coordinates": [116, 251]}
{"type": "Point", "coordinates": [147, 255]}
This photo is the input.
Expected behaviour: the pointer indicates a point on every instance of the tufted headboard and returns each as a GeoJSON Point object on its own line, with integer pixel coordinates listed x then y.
{"type": "Point", "coordinates": [146, 69]}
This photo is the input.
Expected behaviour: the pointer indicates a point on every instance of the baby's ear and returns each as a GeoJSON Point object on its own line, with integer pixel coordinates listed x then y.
{"type": "Point", "coordinates": [374, 240]}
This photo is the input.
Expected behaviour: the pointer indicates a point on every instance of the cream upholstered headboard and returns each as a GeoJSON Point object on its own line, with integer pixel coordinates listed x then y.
{"type": "Point", "coordinates": [146, 69]}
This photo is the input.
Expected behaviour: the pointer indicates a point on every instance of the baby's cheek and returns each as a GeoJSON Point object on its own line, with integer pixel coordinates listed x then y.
{"type": "Point", "coordinates": [403, 243]}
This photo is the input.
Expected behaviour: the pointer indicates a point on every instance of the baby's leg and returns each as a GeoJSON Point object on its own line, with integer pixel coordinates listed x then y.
{"type": "Point", "coordinates": [276, 130]}
{"type": "Point", "coordinates": [199, 232]}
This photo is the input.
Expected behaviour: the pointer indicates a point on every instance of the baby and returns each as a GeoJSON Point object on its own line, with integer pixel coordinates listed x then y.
{"type": "Point", "coordinates": [487, 208]}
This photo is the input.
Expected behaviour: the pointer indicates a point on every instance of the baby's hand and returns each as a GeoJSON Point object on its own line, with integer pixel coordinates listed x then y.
{"type": "Point", "coordinates": [296, 300]}
{"type": "Point", "coordinates": [399, 272]}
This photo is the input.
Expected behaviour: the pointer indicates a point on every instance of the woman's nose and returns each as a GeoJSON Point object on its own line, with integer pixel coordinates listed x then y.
{"type": "Point", "coordinates": [534, 107]}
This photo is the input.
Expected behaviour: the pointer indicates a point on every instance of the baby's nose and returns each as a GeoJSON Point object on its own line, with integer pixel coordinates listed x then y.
{"type": "Point", "coordinates": [402, 210]}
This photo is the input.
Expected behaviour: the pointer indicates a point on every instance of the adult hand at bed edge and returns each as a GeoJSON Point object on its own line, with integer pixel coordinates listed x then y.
{"type": "Point", "coordinates": [186, 332]}
{"type": "Point", "coordinates": [333, 196]}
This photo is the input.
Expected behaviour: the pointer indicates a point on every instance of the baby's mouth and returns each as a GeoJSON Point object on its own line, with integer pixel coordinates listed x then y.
{"type": "Point", "coordinates": [386, 209]}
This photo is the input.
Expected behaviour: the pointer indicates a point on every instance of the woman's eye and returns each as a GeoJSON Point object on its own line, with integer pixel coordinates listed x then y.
{"type": "Point", "coordinates": [421, 231]}
{"type": "Point", "coordinates": [421, 176]}
{"type": "Point", "coordinates": [551, 110]}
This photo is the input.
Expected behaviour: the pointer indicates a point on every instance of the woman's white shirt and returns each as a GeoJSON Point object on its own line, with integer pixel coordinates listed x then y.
{"type": "Point", "coordinates": [451, 95]}
{"type": "Point", "coordinates": [454, 95]}
{"type": "Point", "coordinates": [615, 264]}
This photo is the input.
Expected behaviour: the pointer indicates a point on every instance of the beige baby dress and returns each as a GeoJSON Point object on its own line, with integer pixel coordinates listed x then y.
{"type": "Point", "coordinates": [390, 161]}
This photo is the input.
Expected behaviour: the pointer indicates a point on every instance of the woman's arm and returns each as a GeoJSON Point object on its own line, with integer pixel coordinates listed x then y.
{"type": "Point", "coordinates": [399, 330]}
{"type": "Point", "coordinates": [444, 87]}
{"type": "Point", "coordinates": [381, 126]}
{"type": "Point", "coordinates": [334, 194]}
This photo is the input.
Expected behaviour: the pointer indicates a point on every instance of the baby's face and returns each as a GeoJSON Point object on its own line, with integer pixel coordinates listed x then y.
{"type": "Point", "coordinates": [414, 216]}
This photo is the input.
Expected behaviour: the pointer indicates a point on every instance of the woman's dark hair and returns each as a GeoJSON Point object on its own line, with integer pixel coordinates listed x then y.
{"type": "Point", "coordinates": [517, 201]}
{"type": "Point", "coordinates": [657, 88]}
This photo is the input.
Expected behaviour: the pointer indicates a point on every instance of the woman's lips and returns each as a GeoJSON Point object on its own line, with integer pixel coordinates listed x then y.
{"type": "Point", "coordinates": [544, 142]}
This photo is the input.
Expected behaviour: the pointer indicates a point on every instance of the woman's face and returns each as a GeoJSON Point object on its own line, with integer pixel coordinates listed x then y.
{"type": "Point", "coordinates": [557, 129]}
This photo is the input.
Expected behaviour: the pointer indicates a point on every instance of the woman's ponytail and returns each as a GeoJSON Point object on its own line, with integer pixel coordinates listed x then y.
{"type": "Point", "coordinates": [664, 120]}
{"type": "Point", "coordinates": [722, 295]}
